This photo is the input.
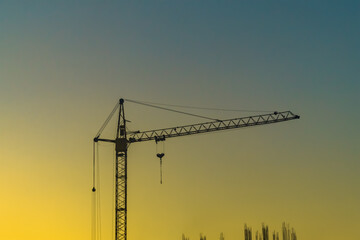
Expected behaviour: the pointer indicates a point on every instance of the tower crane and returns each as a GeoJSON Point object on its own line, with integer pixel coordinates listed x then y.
{"type": "Point", "coordinates": [124, 138]}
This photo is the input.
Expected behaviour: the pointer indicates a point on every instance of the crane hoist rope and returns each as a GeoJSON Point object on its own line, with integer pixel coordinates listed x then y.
{"type": "Point", "coordinates": [94, 162]}
{"type": "Point", "coordinates": [98, 193]}
{"type": "Point", "coordinates": [160, 153]}
{"type": "Point", "coordinates": [96, 196]}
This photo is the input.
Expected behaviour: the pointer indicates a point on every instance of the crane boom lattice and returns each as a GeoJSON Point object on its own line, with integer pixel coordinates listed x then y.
{"type": "Point", "coordinates": [212, 126]}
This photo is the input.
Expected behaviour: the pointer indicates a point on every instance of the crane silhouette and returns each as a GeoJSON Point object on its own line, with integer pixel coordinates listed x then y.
{"type": "Point", "coordinates": [124, 138]}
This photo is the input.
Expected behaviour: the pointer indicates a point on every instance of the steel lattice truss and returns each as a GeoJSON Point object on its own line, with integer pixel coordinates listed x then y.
{"type": "Point", "coordinates": [121, 194]}
{"type": "Point", "coordinates": [161, 134]}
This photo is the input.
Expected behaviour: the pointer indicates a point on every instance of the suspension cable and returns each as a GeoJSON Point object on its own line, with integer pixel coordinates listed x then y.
{"type": "Point", "coordinates": [93, 200]}
{"type": "Point", "coordinates": [93, 173]}
{"type": "Point", "coordinates": [98, 194]}
{"type": "Point", "coordinates": [107, 120]}
{"type": "Point", "coordinates": [93, 216]}
{"type": "Point", "coordinates": [113, 192]}
{"type": "Point", "coordinates": [160, 170]}
{"type": "Point", "coordinates": [201, 108]}
{"type": "Point", "coordinates": [171, 110]}
{"type": "Point", "coordinates": [96, 204]}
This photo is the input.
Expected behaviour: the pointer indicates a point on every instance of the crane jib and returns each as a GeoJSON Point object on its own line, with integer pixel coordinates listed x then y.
{"type": "Point", "coordinates": [162, 134]}
{"type": "Point", "coordinates": [212, 126]}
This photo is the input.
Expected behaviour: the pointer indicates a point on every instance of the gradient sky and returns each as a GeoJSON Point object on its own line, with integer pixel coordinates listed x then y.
{"type": "Point", "coordinates": [64, 65]}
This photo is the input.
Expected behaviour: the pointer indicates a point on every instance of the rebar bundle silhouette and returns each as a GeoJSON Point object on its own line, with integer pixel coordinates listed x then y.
{"type": "Point", "coordinates": [222, 236]}
{"type": "Point", "coordinates": [287, 233]}
{"type": "Point", "coordinates": [202, 237]}
{"type": "Point", "coordinates": [264, 234]}
{"type": "Point", "coordinates": [248, 233]}
{"type": "Point", "coordinates": [184, 238]}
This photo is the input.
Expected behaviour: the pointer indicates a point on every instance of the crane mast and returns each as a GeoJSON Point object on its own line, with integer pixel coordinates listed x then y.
{"type": "Point", "coordinates": [121, 176]}
{"type": "Point", "coordinates": [122, 143]}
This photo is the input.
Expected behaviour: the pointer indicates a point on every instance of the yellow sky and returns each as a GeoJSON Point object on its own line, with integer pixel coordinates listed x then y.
{"type": "Point", "coordinates": [63, 66]}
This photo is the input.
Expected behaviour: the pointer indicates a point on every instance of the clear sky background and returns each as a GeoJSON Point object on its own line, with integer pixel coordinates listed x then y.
{"type": "Point", "coordinates": [64, 65]}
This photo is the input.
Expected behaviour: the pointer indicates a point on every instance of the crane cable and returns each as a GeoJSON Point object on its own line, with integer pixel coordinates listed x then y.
{"type": "Point", "coordinates": [107, 120]}
{"type": "Point", "coordinates": [160, 155]}
{"type": "Point", "coordinates": [160, 170]}
{"type": "Point", "coordinates": [93, 199]}
{"type": "Point", "coordinates": [93, 173]}
{"type": "Point", "coordinates": [200, 108]}
{"type": "Point", "coordinates": [171, 110]}
{"type": "Point", "coordinates": [96, 204]}
{"type": "Point", "coordinates": [98, 193]}
{"type": "Point", "coordinates": [96, 218]}
{"type": "Point", "coordinates": [113, 192]}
